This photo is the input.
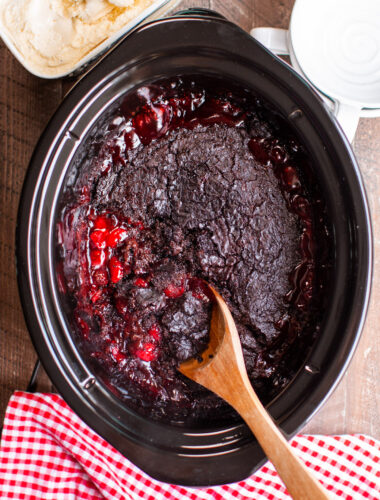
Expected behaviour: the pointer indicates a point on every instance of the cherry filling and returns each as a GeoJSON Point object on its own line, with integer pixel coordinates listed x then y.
{"type": "Point", "coordinates": [182, 186]}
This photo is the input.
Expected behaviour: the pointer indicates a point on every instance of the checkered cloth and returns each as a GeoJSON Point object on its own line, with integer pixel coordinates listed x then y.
{"type": "Point", "coordinates": [47, 452]}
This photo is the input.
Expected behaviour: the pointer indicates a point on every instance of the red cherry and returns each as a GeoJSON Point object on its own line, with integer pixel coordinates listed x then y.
{"type": "Point", "coordinates": [278, 154]}
{"type": "Point", "coordinates": [173, 291]}
{"type": "Point", "coordinates": [115, 351]}
{"type": "Point", "coordinates": [101, 222]}
{"type": "Point", "coordinates": [96, 296]}
{"type": "Point", "coordinates": [154, 332]}
{"type": "Point", "coordinates": [115, 236]}
{"type": "Point", "coordinates": [98, 238]}
{"type": "Point", "coordinates": [258, 149]}
{"type": "Point", "coordinates": [116, 269]}
{"type": "Point", "coordinates": [290, 178]}
{"type": "Point", "coordinates": [100, 277]}
{"type": "Point", "coordinates": [301, 206]}
{"type": "Point", "coordinates": [97, 258]}
{"type": "Point", "coordinates": [152, 122]}
{"type": "Point", "coordinates": [141, 283]}
{"type": "Point", "coordinates": [83, 326]}
{"type": "Point", "coordinates": [147, 353]}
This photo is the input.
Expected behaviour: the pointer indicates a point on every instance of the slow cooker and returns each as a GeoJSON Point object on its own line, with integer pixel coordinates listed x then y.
{"type": "Point", "coordinates": [203, 43]}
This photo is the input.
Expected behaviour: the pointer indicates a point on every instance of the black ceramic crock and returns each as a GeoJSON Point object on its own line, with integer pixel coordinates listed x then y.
{"type": "Point", "coordinates": [195, 42]}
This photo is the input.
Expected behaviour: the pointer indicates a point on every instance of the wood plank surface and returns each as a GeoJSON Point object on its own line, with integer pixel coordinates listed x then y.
{"type": "Point", "coordinates": [26, 103]}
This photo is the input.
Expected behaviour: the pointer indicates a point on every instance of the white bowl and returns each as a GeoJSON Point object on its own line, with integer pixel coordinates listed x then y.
{"type": "Point", "coordinates": [335, 45]}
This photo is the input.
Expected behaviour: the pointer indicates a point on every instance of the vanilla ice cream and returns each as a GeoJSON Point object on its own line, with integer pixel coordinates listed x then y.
{"type": "Point", "coordinates": [53, 35]}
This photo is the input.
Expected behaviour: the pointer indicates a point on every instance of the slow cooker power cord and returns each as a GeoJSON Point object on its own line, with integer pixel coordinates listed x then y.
{"type": "Point", "coordinates": [32, 385]}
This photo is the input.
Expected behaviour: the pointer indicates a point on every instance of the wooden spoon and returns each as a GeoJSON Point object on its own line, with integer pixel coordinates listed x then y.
{"type": "Point", "coordinates": [222, 370]}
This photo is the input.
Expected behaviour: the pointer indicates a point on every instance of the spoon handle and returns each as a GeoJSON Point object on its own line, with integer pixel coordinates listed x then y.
{"type": "Point", "coordinates": [299, 481]}
{"type": "Point", "coordinates": [222, 370]}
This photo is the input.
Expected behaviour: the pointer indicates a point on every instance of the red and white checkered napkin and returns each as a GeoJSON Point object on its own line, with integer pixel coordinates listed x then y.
{"type": "Point", "coordinates": [47, 452]}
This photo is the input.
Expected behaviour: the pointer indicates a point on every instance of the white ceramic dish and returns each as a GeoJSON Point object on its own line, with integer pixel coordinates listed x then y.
{"type": "Point", "coordinates": [157, 9]}
{"type": "Point", "coordinates": [335, 44]}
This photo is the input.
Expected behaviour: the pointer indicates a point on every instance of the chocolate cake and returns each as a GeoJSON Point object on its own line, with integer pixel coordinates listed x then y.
{"type": "Point", "coordinates": [185, 185]}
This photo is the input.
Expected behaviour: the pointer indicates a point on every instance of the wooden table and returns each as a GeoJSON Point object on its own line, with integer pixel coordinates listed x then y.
{"type": "Point", "coordinates": [26, 103]}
